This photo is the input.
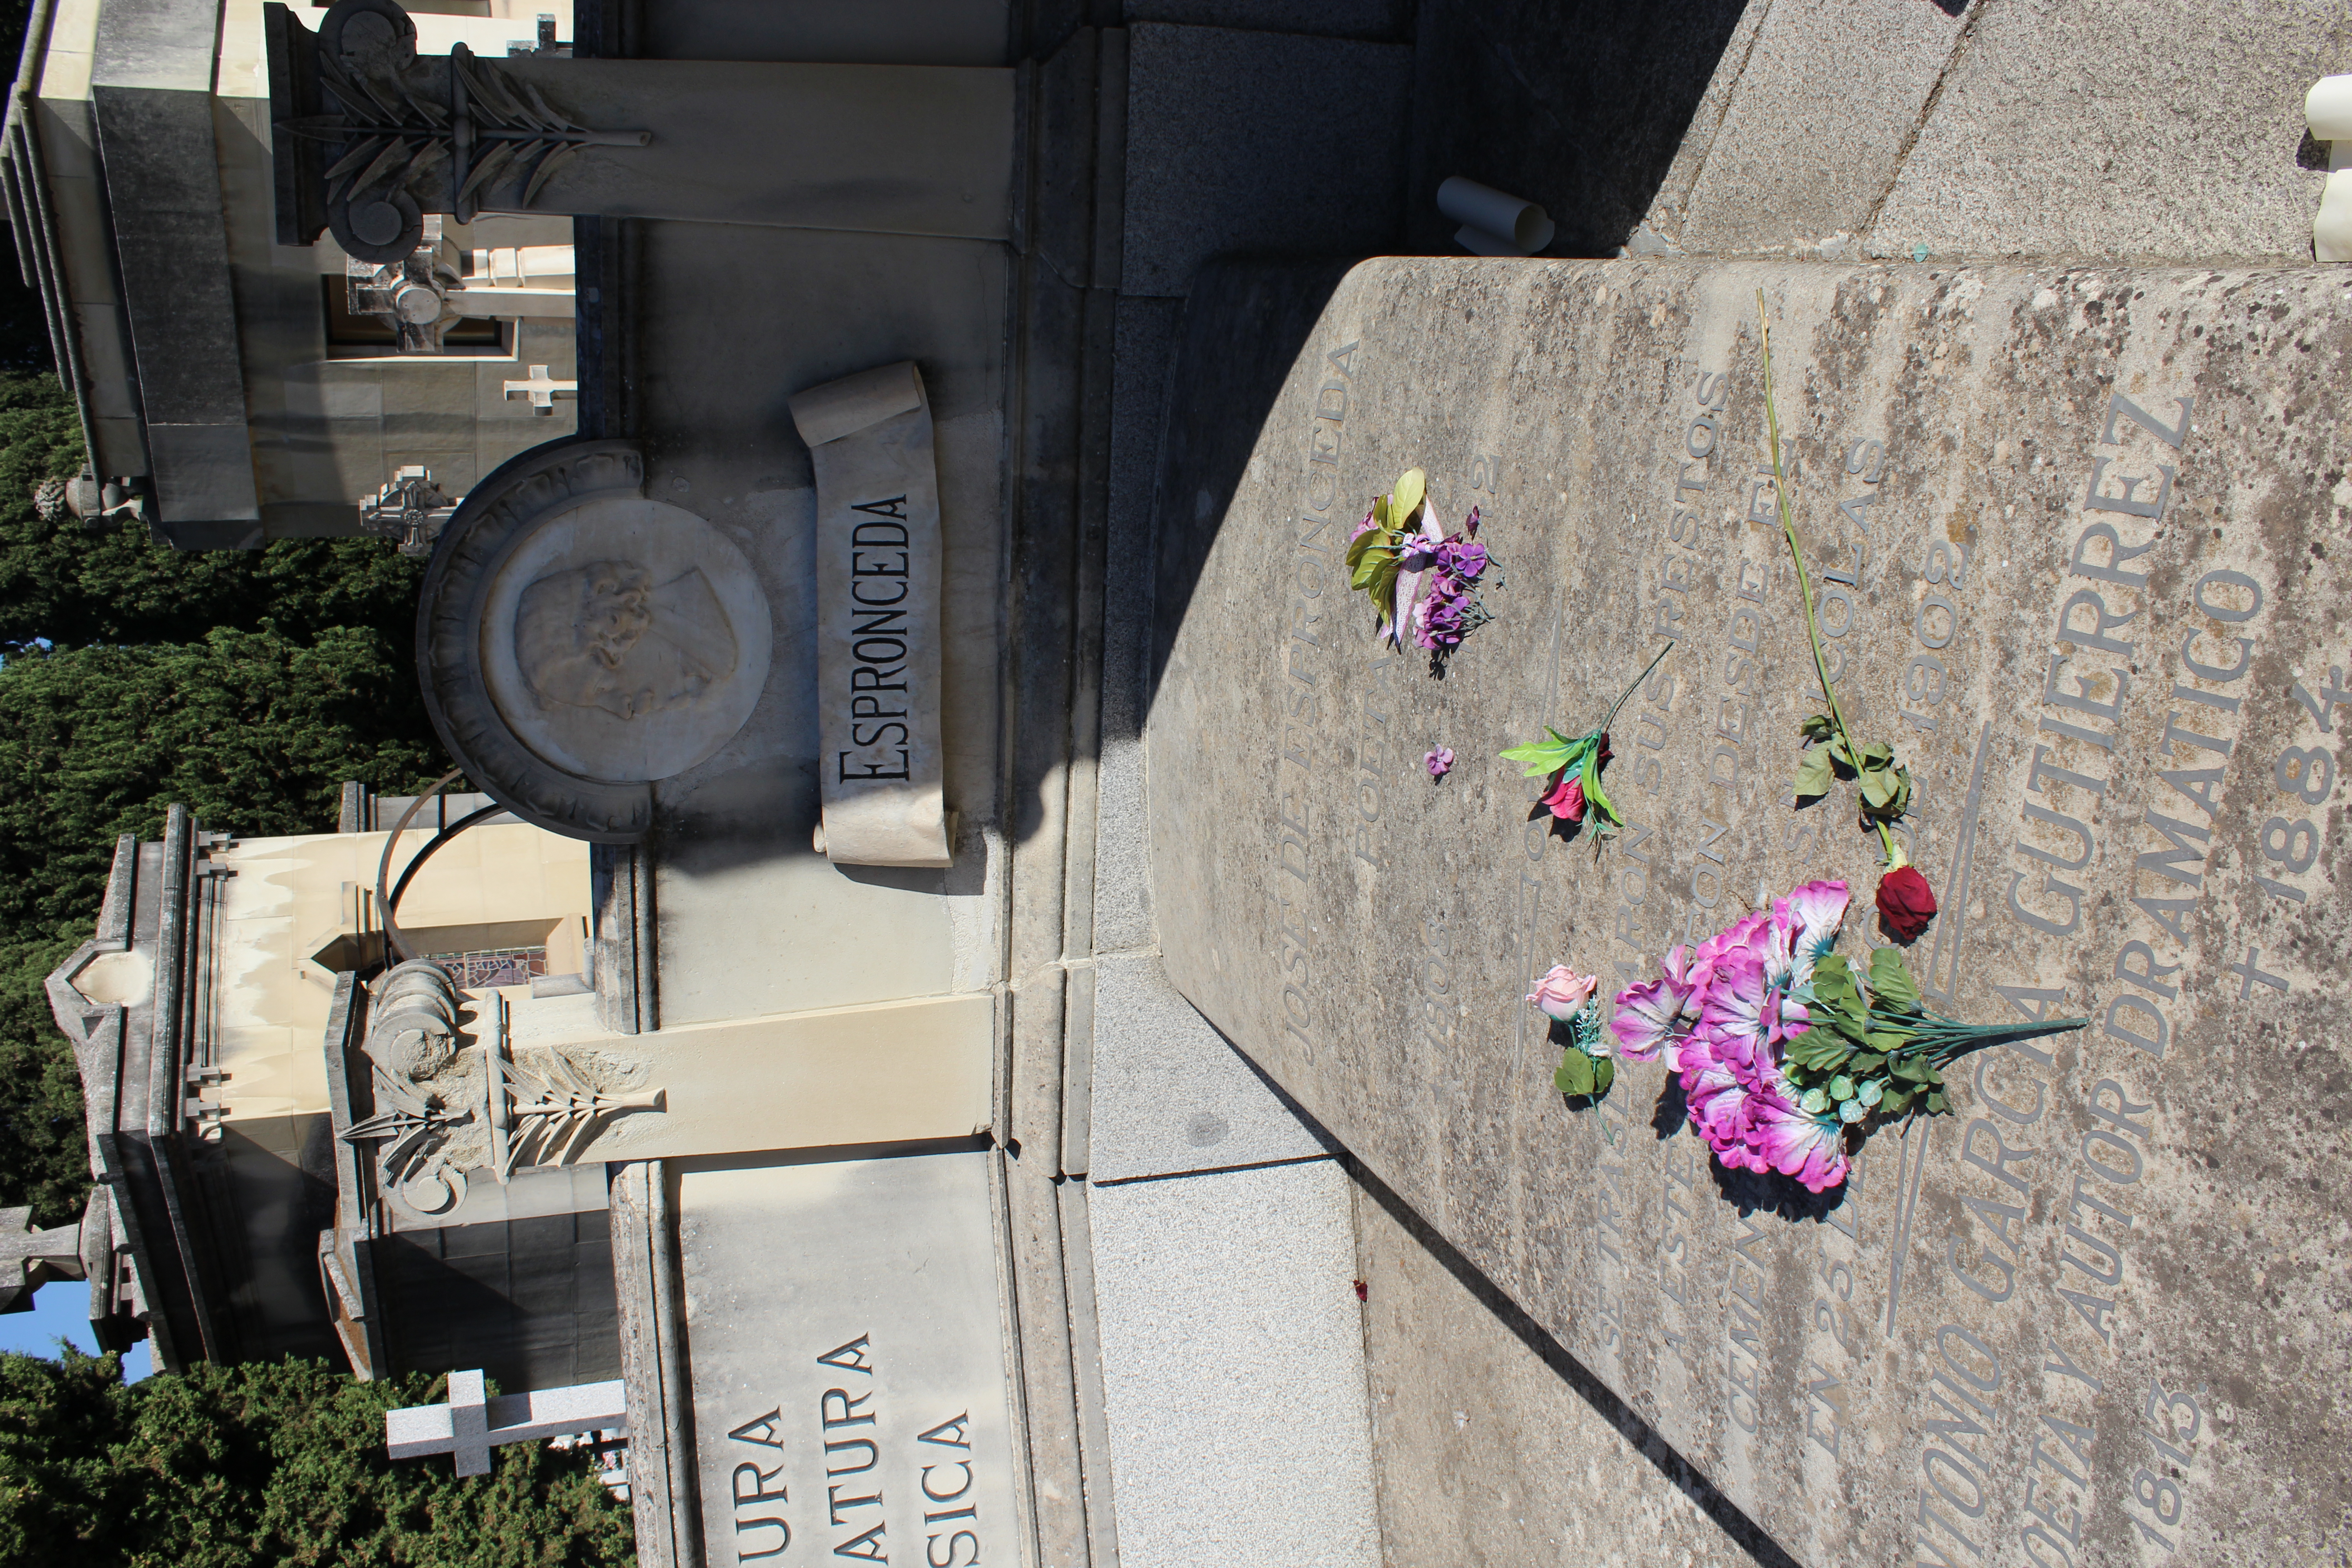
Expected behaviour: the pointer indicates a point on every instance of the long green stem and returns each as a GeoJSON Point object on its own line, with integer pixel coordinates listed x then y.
{"type": "Point", "coordinates": [1804, 582]}
{"type": "Point", "coordinates": [1628, 694]}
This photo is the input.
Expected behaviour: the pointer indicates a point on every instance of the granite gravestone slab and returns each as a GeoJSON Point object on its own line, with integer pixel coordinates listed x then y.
{"type": "Point", "coordinates": [2076, 539]}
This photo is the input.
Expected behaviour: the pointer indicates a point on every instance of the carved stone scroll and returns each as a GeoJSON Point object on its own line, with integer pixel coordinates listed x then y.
{"type": "Point", "coordinates": [878, 562]}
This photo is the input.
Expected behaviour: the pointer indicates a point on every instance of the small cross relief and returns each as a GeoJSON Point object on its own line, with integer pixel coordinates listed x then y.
{"type": "Point", "coordinates": [541, 391]}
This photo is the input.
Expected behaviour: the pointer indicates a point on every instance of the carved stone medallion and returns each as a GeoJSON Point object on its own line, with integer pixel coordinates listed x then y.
{"type": "Point", "coordinates": [579, 642]}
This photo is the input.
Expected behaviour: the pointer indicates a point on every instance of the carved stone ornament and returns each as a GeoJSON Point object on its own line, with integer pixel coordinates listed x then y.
{"type": "Point", "coordinates": [411, 510]}
{"type": "Point", "coordinates": [447, 1108]}
{"type": "Point", "coordinates": [578, 642]}
{"type": "Point", "coordinates": [369, 137]}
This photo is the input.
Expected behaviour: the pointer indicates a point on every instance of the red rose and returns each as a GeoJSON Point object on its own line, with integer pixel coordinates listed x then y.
{"type": "Point", "coordinates": [1906, 902]}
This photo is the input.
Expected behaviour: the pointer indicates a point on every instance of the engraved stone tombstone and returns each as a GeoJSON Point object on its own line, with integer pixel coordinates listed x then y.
{"type": "Point", "coordinates": [2075, 538]}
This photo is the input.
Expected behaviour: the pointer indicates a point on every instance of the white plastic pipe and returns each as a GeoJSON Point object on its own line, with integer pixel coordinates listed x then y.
{"type": "Point", "coordinates": [2331, 231]}
{"type": "Point", "coordinates": [1509, 225]}
{"type": "Point", "coordinates": [2327, 109]}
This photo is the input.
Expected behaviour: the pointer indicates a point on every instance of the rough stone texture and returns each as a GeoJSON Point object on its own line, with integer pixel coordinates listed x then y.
{"type": "Point", "coordinates": [1365, 937]}
{"type": "Point", "coordinates": [1202, 177]}
{"type": "Point", "coordinates": [1169, 1095]}
{"type": "Point", "coordinates": [2113, 129]}
{"type": "Point", "coordinates": [1823, 115]}
{"type": "Point", "coordinates": [1492, 1446]}
{"type": "Point", "coordinates": [1233, 1370]}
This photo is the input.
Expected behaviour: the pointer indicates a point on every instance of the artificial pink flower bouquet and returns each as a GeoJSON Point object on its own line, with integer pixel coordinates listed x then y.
{"type": "Point", "coordinates": [1785, 1064]}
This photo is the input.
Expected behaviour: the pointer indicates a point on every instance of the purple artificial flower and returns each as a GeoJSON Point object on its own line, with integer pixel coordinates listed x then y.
{"type": "Point", "coordinates": [1785, 1137]}
{"type": "Point", "coordinates": [1440, 762]}
{"type": "Point", "coordinates": [1470, 523]}
{"type": "Point", "coordinates": [1804, 927]}
{"type": "Point", "coordinates": [1464, 560]}
{"type": "Point", "coordinates": [1734, 1020]}
{"type": "Point", "coordinates": [1362, 529]}
{"type": "Point", "coordinates": [1717, 1098]}
{"type": "Point", "coordinates": [1655, 1016]}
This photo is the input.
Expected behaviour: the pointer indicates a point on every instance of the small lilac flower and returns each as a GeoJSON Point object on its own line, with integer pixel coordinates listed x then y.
{"type": "Point", "coordinates": [1362, 529]}
{"type": "Point", "coordinates": [1465, 561]}
{"type": "Point", "coordinates": [1470, 523]}
{"type": "Point", "coordinates": [1440, 762]}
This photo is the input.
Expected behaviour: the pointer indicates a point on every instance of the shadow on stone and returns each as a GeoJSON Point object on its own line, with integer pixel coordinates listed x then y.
{"type": "Point", "coordinates": [1760, 1547]}
{"type": "Point", "coordinates": [1672, 1110]}
{"type": "Point", "coordinates": [1576, 105]}
{"type": "Point", "coordinates": [1244, 326]}
{"type": "Point", "coordinates": [1752, 1192]}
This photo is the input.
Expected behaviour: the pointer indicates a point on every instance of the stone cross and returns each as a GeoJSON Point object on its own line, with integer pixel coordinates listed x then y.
{"type": "Point", "coordinates": [542, 392]}
{"type": "Point", "coordinates": [29, 1259]}
{"type": "Point", "coordinates": [469, 1425]}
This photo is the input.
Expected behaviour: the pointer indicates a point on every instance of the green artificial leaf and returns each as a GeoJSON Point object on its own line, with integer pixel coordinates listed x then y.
{"type": "Point", "coordinates": [1365, 565]}
{"type": "Point", "coordinates": [1575, 1074]}
{"type": "Point", "coordinates": [1604, 1073]}
{"type": "Point", "coordinates": [1411, 487]}
{"type": "Point", "coordinates": [1878, 788]}
{"type": "Point", "coordinates": [1871, 1092]}
{"type": "Point", "coordinates": [1909, 1068]}
{"type": "Point", "coordinates": [1936, 1104]}
{"type": "Point", "coordinates": [1935, 1075]}
{"type": "Point", "coordinates": [1383, 587]}
{"type": "Point", "coordinates": [1813, 773]}
{"type": "Point", "coordinates": [1594, 795]}
{"type": "Point", "coordinates": [1876, 756]}
{"type": "Point", "coordinates": [1867, 1062]}
{"type": "Point", "coordinates": [1542, 756]}
{"type": "Point", "coordinates": [1817, 728]}
{"type": "Point", "coordinates": [1888, 1040]}
{"type": "Point", "coordinates": [1834, 988]}
{"type": "Point", "coordinates": [1896, 1102]}
{"type": "Point", "coordinates": [1841, 754]}
{"type": "Point", "coordinates": [1821, 1051]}
{"type": "Point", "coordinates": [1360, 544]}
{"type": "Point", "coordinates": [1841, 1088]}
{"type": "Point", "coordinates": [1812, 1102]}
{"type": "Point", "coordinates": [1891, 985]}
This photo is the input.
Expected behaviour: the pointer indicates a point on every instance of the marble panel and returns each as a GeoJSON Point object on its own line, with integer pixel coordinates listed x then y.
{"type": "Point", "coordinates": [847, 1358]}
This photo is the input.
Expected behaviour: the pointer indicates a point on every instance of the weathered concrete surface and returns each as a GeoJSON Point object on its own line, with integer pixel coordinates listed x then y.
{"type": "Point", "coordinates": [1366, 937]}
{"type": "Point", "coordinates": [2033, 128]}
{"type": "Point", "coordinates": [2118, 129]}
{"type": "Point", "coordinates": [1825, 109]}
{"type": "Point", "coordinates": [1492, 1448]}
{"type": "Point", "coordinates": [1233, 1371]}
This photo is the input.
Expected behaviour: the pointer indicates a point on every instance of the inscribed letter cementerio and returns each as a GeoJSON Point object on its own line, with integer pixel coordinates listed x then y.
{"type": "Point", "coordinates": [877, 576]}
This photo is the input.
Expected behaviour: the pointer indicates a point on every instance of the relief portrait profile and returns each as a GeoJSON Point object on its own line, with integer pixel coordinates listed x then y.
{"type": "Point", "coordinates": [606, 636]}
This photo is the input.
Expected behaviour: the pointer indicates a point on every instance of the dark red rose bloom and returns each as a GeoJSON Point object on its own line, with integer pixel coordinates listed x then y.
{"type": "Point", "coordinates": [1605, 752]}
{"type": "Point", "coordinates": [1906, 902]}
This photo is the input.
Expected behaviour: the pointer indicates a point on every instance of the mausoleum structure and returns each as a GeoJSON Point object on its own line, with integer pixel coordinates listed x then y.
{"type": "Point", "coordinates": [977, 988]}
